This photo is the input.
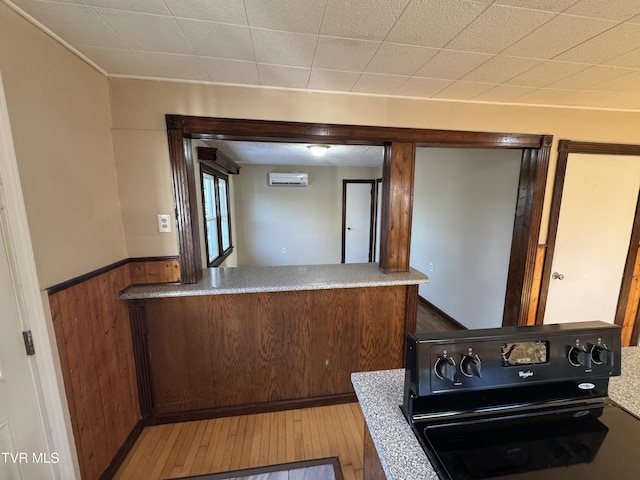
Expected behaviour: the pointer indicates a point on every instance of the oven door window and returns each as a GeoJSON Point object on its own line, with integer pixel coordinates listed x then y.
{"type": "Point", "coordinates": [593, 443]}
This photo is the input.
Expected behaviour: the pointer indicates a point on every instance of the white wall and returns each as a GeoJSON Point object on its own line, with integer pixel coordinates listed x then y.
{"type": "Point", "coordinates": [463, 212]}
{"type": "Point", "coordinates": [307, 221]}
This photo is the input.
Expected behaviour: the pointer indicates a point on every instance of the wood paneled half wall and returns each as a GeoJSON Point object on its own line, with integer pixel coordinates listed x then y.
{"type": "Point", "coordinates": [93, 336]}
{"type": "Point", "coordinates": [214, 355]}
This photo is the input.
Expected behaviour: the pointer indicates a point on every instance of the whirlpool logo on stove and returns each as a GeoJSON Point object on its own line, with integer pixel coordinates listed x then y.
{"type": "Point", "coordinates": [526, 374]}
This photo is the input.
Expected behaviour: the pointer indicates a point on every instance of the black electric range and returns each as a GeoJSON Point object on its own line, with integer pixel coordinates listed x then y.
{"type": "Point", "coordinates": [521, 403]}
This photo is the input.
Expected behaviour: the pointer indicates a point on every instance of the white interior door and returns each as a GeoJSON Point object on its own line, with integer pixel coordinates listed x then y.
{"type": "Point", "coordinates": [23, 450]}
{"type": "Point", "coordinates": [594, 229]}
{"type": "Point", "coordinates": [357, 237]}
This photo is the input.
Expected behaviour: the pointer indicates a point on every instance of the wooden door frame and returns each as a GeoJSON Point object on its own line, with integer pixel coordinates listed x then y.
{"type": "Point", "coordinates": [397, 186]}
{"type": "Point", "coordinates": [566, 147]}
{"type": "Point", "coordinates": [372, 213]}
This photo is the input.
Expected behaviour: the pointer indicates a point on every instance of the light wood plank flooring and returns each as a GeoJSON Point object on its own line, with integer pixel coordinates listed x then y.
{"type": "Point", "coordinates": [233, 443]}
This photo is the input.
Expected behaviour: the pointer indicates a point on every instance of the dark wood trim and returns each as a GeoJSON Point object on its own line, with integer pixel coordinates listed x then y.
{"type": "Point", "coordinates": [183, 178]}
{"type": "Point", "coordinates": [204, 168]}
{"type": "Point", "coordinates": [411, 309]}
{"type": "Point", "coordinates": [635, 331]}
{"type": "Point", "coordinates": [219, 159]}
{"type": "Point", "coordinates": [123, 451]}
{"type": "Point", "coordinates": [398, 171]}
{"type": "Point", "coordinates": [152, 259]}
{"type": "Point", "coordinates": [208, 128]}
{"type": "Point", "coordinates": [556, 201]}
{"type": "Point", "coordinates": [629, 267]}
{"type": "Point", "coordinates": [87, 276]}
{"type": "Point", "coordinates": [254, 408]}
{"type": "Point", "coordinates": [140, 336]}
{"type": "Point", "coordinates": [371, 465]}
{"type": "Point", "coordinates": [526, 231]}
{"type": "Point", "coordinates": [262, 472]}
{"type": "Point", "coordinates": [395, 213]}
{"type": "Point", "coordinates": [443, 314]}
{"type": "Point", "coordinates": [372, 218]}
{"type": "Point", "coordinates": [58, 287]}
{"type": "Point", "coordinates": [571, 146]}
{"type": "Point", "coordinates": [565, 147]}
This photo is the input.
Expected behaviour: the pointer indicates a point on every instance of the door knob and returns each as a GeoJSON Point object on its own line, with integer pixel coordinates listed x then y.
{"type": "Point", "coordinates": [557, 276]}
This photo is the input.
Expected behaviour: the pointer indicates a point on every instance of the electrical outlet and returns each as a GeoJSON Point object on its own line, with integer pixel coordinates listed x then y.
{"type": "Point", "coordinates": [164, 223]}
{"type": "Point", "coordinates": [284, 250]}
{"type": "Point", "coordinates": [430, 267]}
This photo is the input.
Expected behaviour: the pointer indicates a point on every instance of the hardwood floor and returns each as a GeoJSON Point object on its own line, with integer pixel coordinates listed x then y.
{"type": "Point", "coordinates": [432, 320]}
{"type": "Point", "coordinates": [233, 443]}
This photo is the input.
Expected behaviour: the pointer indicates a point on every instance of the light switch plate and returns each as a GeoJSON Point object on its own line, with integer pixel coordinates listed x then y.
{"type": "Point", "coordinates": [164, 223]}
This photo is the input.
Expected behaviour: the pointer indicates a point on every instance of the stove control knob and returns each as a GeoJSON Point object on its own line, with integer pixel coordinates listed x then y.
{"type": "Point", "coordinates": [470, 366]}
{"type": "Point", "coordinates": [578, 357]}
{"type": "Point", "coordinates": [445, 367]}
{"type": "Point", "coordinates": [600, 355]}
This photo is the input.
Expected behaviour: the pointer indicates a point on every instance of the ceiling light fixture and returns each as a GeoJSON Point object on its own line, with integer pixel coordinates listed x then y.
{"type": "Point", "coordinates": [318, 150]}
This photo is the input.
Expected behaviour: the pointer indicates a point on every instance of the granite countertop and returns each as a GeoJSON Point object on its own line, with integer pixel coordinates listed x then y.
{"type": "Point", "coordinates": [380, 394]}
{"type": "Point", "coordinates": [220, 281]}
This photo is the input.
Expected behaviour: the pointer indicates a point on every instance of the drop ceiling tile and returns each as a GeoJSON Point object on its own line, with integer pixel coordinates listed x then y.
{"type": "Point", "coordinates": [422, 87]}
{"type": "Point", "coordinates": [218, 40]}
{"type": "Point", "coordinates": [589, 78]}
{"type": "Point", "coordinates": [369, 20]}
{"type": "Point", "coordinates": [151, 33]}
{"type": "Point", "coordinates": [625, 83]}
{"type": "Point", "coordinates": [223, 70]}
{"type": "Point", "coordinates": [76, 24]}
{"type": "Point", "coordinates": [624, 101]}
{"type": "Point", "coordinates": [462, 90]}
{"type": "Point", "coordinates": [332, 80]}
{"type": "Point", "coordinates": [379, 84]}
{"type": "Point", "coordinates": [300, 16]}
{"type": "Point", "coordinates": [630, 60]}
{"type": "Point", "coordinates": [344, 54]}
{"type": "Point", "coordinates": [434, 23]}
{"type": "Point", "coordinates": [116, 61]}
{"type": "Point", "coordinates": [278, 76]}
{"type": "Point", "coordinates": [559, 34]}
{"type": "Point", "coordinates": [618, 10]}
{"type": "Point", "coordinates": [283, 48]}
{"type": "Point", "coordinates": [544, 96]}
{"type": "Point", "coordinates": [502, 93]}
{"type": "Point", "coordinates": [498, 28]}
{"type": "Point", "coordinates": [392, 58]}
{"type": "Point", "coordinates": [582, 98]}
{"type": "Point", "coordinates": [500, 69]}
{"type": "Point", "coordinates": [546, 73]}
{"type": "Point", "coordinates": [222, 11]}
{"type": "Point", "coordinates": [609, 44]}
{"type": "Point", "coordinates": [166, 65]}
{"type": "Point", "coordinates": [452, 64]}
{"type": "Point", "coordinates": [546, 5]}
{"type": "Point", "coordinates": [142, 6]}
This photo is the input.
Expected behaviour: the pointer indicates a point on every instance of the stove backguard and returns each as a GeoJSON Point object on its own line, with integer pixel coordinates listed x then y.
{"type": "Point", "coordinates": [467, 372]}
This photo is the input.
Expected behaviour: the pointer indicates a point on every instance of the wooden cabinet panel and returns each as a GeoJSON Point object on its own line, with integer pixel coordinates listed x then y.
{"type": "Point", "coordinates": [220, 351]}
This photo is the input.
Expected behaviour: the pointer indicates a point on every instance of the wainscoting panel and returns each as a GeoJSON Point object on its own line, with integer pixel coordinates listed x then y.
{"type": "Point", "coordinates": [93, 336]}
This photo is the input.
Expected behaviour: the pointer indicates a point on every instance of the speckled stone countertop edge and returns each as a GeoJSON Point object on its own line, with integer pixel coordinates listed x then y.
{"type": "Point", "coordinates": [402, 458]}
{"type": "Point", "coordinates": [278, 279]}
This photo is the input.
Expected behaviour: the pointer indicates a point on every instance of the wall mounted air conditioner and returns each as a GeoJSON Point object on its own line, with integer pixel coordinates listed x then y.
{"type": "Point", "coordinates": [288, 179]}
